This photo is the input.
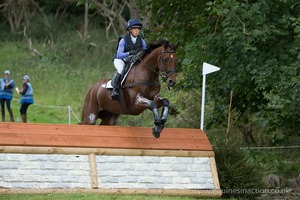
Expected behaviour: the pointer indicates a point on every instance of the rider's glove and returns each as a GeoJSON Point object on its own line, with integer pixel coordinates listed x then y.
{"type": "Point", "coordinates": [133, 52]}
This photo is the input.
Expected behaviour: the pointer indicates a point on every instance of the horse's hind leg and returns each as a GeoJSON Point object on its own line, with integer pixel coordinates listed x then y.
{"type": "Point", "coordinates": [89, 113]}
{"type": "Point", "coordinates": [108, 118]}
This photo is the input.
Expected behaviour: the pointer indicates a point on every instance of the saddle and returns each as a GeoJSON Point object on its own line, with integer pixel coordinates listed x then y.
{"type": "Point", "coordinates": [129, 62]}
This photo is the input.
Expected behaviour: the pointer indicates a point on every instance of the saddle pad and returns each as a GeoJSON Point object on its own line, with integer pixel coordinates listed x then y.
{"type": "Point", "coordinates": [107, 85]}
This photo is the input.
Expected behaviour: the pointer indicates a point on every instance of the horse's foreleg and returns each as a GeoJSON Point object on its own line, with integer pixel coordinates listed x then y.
{"type": "Point", "coordinates": [158, 123]}
{"type": "Point", "coordinates": [157, 119]}
{"type": "Point", "coordinates": [165, 110]}
{"type": "Point", "coordinates": [152, 105]}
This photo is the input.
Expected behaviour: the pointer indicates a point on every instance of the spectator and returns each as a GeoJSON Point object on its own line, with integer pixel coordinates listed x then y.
{"type": "Point", "coordinates": [6, 94]}
{"type": "Point", "coordinates": [26, 98]}
{"type": "Point", "coordinates": [1, 95]}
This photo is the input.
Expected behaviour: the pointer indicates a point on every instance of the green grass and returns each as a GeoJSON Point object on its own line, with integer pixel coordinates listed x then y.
{"type": "Point", "coordinates": [91, 196]}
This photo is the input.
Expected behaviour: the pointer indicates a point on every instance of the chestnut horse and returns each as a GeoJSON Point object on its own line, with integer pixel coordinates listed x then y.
{"type": "Point", "coordinates": [140, 89]}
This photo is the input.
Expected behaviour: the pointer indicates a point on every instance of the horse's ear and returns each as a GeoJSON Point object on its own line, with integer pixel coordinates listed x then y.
{"type": "Point", "coordinates": [176, 45]}
{"type": "Point", "coordinates": [167, 44]}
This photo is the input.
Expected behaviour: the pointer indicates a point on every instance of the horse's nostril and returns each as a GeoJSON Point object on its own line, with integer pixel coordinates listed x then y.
{"type": "Point", "coordinates": [171, 83]}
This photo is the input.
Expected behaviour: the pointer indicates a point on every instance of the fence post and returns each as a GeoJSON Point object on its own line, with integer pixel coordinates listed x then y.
{"type": "Point", "coordinates": [69, 114]}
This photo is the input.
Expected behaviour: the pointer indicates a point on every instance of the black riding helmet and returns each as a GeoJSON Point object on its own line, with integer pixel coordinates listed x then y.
{"type": "Point", "coordinates": [134, 23]}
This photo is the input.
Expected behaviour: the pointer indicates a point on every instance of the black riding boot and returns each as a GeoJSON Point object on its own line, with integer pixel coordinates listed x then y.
{"type": "Point", "coordinates": [11, 115]}
{"type": "Point", "coordinates": [3, 115]}
{"type": "Point", "coordinates": [115, 82]}
{"type": "Point", "coordinates": [24, 118]}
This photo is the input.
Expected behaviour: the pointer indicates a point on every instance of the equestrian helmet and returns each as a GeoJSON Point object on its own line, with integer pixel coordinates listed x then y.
{"type": "Point", "coordinates": [134, 23]}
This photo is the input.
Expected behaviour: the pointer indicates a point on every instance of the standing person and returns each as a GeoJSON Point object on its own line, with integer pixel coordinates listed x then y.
{"type": "Point", "coordinates": [6, 95]}
{"type": "Point", "coordinates": [26, 98]}
{"type": "Point", "coordinates": [1, 96]}
{"type": "Point", "coordinates": [129, 44]}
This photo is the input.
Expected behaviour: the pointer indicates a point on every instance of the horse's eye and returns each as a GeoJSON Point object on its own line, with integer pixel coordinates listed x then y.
{"type": "Point", "coordinates": [164, 60]}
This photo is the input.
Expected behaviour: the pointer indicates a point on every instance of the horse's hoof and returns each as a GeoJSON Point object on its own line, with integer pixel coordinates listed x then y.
{"type": "Point", "coordinates": [156, 130]}
{"type": "Point", "coordinates": [155, 134]}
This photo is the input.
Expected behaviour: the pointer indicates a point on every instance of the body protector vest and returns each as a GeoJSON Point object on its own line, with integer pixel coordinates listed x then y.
{"type": "Point", "coordinates": [129, 45]}
{"type": "Point", "coordinates": [28, 96]}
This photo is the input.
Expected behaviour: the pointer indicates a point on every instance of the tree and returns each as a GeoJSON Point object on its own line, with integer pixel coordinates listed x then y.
{"type": "Point", "coordinates": [16, 12]}
{"type": "Point", "coordinates": [256, 44]}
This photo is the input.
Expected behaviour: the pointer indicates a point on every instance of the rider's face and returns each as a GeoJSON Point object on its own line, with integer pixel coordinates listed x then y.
{"type": "Point", "coordinates": [135, 31]}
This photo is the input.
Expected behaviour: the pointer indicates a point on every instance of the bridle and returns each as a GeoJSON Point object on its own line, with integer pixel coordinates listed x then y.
{"type": "Point", "coordinates": [162, 72]}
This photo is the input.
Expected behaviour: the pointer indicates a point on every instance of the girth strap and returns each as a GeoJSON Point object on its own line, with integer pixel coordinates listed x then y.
{"type": "Point", "coordinates": [129, 85]}
{"type": "Point", "coordinates": [123, 103]}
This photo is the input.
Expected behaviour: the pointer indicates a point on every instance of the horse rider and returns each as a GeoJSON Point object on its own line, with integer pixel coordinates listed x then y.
{"type": "Point", "coordinates": [6, 95]}
{"type": "Point", "coordinates": [129, 45]}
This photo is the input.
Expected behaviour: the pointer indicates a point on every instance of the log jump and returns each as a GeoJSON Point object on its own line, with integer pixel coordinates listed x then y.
{"type": "Point", "coordinates": [44, 158]}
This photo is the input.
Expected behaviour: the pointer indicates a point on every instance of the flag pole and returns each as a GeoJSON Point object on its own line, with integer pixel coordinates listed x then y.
{"type": "Point", "coordinates": [203, 102]}
{"type": "Point", "coordinates": [207, 69]}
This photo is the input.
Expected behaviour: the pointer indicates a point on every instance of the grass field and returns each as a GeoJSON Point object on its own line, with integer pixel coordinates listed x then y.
{"type": "Point", "coordinates": [89, 196]}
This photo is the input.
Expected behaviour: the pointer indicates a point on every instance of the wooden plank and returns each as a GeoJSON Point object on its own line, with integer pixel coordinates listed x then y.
{"type": "Point", "coordinates": [214, 172]}
{"type": "Point", "coordinates": [169, 192]}
{"type": "Point", "coordinates": [103, 151]}
{"type": "Point", "coordinates": [85, 130]}
{"type": "Point", "coordinates": [16, 134]}
{"type": "Point", "coordinates": [102, 142]}
{"type": "Point", "coordinates": [93, 171]}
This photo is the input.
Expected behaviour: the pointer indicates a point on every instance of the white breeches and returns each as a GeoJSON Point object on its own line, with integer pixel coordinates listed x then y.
{"type": "Point", "coordinates": [119, 65]}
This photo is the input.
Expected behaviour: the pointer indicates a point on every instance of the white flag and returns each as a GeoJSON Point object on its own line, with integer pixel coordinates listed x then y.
{"type": "Point", "coordinates": [208, 68]}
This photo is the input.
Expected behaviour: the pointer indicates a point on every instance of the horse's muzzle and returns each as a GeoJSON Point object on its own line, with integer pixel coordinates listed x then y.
{"type": "Point", "coordinates": [171, 82]}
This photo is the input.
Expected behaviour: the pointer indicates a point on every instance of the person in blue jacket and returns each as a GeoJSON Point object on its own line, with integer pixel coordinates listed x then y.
{"type": "Point", "coordinates": [1, 96]}
{"type": "Point", "coordinates": [26, 98]}
{"type": "Point", "coordinates": [129, 45]}
{"type": "Point", "coordinates": [6, 95]}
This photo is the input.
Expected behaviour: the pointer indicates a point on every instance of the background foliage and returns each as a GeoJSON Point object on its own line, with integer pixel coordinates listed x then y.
{"type": "Point", "coordinates": [256, 45]}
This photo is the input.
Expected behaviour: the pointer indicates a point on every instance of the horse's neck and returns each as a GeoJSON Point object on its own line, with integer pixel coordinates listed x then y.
{"type": "Point", "coordinates": [150, 66]}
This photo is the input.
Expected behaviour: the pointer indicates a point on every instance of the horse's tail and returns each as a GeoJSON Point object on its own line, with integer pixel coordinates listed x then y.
{"type": "Point", "coordinates": [87, 97]}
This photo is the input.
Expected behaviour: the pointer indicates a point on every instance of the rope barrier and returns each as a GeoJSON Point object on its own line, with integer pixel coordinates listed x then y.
{"type": "Point", "coordinates": [268, 148]}
{"type": "Point", "coordinates": [70, 110]}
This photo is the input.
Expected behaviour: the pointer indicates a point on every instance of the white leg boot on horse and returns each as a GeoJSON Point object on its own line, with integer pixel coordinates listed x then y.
{"type": "Point", "coordinates": [115, 82]}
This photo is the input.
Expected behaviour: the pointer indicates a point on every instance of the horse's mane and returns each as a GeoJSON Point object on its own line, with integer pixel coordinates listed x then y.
{"type": "Point", "coordinates": [153, 46]}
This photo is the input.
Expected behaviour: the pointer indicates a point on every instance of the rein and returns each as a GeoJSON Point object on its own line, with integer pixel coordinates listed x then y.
{"type": "Point", "coordinates": [162, 73]}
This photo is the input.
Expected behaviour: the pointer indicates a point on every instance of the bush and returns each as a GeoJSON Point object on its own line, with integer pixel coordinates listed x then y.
{"type": "Point", "coordinates": [239, 174]}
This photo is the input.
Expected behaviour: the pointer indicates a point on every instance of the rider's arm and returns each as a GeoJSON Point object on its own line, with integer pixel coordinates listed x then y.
{"type": "Point", "coordinates": [24, 89]}
{"type": "Point", "coordinates": [10, 85]}
{"type": "Point", "coordinates": [120, 52]}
